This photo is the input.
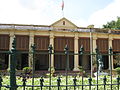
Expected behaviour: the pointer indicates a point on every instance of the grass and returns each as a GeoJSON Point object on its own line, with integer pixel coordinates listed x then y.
{"type": "Point", "coordinates": [63, 82]}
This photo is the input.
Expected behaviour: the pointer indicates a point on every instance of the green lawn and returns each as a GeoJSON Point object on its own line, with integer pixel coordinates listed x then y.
{"type": "Point", "coordinates": [63, 82]}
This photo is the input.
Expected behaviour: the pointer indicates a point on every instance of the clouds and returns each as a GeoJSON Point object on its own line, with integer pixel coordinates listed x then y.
{"type": "Point", "coordinates": [27, 11]}
{"type": "Point", "coordinates": [45, 12]}
{"type": "Point", "coordinates": [106, 14]}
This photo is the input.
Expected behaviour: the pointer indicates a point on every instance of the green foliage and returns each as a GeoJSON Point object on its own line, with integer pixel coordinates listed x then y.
{"type": "Point", "coordinates": [80, 68]}
{"type": "Point", "coordinates": [113, 24]}
{"type": "Point", "coordinates": [117, 59]}
{"type": "Point", "coordinates": [82, 71]}
{"type": "Point", "coordinates": [118, 70]}
{"type": "Point", "coordinates": [27, 70]}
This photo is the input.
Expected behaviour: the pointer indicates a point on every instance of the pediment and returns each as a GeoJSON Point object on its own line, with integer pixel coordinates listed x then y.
{"type": "Point", "coordinates": [64, 24]}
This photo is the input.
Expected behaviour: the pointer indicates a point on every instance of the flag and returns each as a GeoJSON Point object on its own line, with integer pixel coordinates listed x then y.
{"type": "Point", "coordinates": [62, 4]}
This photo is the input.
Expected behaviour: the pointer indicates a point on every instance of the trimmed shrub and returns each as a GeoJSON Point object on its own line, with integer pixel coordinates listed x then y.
{"type": "Point", "coordinates": [27, 70]}
{"type": "Point", "coordinates": [118, 70]}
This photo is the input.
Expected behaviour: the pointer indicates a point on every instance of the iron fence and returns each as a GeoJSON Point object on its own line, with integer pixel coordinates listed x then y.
{"type": "Point", "coordinates": [76, 81]}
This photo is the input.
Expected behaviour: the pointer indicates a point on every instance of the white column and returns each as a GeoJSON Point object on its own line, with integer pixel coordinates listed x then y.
{"type": "Point", "coordinates": [93, 57]}
{"type": "Point", "coordinates": [52, 43]}
{"type": "Point", "coordinates": [31, 42]}
{"type": "Point", "coordinates": [94, 43]}
{"type": "Point", "coordinates": [76, 59]}
{"type": "Point", "coordinates": [110, 45]}
{"type": "Point", "coordinates": [10, 45]}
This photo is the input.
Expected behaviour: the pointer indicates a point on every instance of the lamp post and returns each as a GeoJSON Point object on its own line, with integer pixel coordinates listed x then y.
{"type": "Point", "coordinates": [91, 47]}
{"type": "Point", "coordinates": [91, 50]}
{"type": "Point", "coordinates": [33, 47]}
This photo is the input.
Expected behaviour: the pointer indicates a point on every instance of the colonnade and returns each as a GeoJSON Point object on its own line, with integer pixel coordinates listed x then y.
{"type": "Point", "coordinates": [51, 39]}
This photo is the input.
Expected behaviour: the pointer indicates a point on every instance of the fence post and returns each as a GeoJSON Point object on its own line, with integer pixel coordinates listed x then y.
{"type": "Point", "coordinates": [33, 66]}
{"type": "Point", "coordinates": [24, 82]}
{"type": "Point", "coordinates": [118, 79]}
{"type": "Point", "coordinates": [66, 49]}
{"type": "Point", "coordinates": [110, 55]}
{"type": "Point", "coordinates": [90, 82]}
{"type": "Point", "coordinates": [50, 53]}
{"type": "Point", "coordinates": [58, 83]}
{"type": "Point", "coordinates": [104, 81]}
{"type": "Point", "coordinates": [41, 82]}
{"type": "Point", "coordinates": [13, 85]}
{"type": "Point", "coordinates": [67, 63]}
{"type": "Point", "coordinates": [81, 53]}
{"type": "Point", "coordinates": [74, 82]}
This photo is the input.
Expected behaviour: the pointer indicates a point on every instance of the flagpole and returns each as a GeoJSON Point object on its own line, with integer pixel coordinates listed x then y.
{"type": "Point", "coordinates": [63, 8]}
{"type": "Point", "coordinates": [91, 50]}
{"type": "Point", "coordinates": [62, 13]}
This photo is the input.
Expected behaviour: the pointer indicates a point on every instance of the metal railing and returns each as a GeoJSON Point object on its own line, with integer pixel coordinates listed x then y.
{"type": "Point", "coordinates": [66, 82]}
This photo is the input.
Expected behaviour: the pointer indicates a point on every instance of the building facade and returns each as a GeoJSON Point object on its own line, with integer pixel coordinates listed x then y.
{"type": "Point", "coordinates": [61, 33]}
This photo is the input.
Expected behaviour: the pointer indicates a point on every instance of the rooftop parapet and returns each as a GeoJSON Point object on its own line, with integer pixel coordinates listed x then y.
{"type": "Point", "coordinates": [45, 27]}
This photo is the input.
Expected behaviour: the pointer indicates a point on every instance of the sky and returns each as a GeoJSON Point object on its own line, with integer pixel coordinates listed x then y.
{"type": "Point", "coordinates": [45, 12]}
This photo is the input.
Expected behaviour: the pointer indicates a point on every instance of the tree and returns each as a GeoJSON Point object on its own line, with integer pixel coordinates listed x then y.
{"type": "Point", "coordinates": [113, 24]}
